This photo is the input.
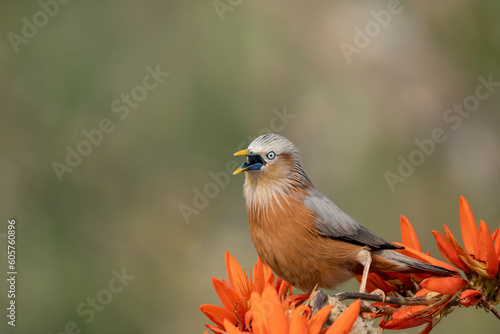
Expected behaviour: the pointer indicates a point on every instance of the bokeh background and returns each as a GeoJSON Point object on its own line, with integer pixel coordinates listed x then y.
{"type": "Point", "coordinates": [230, 73]}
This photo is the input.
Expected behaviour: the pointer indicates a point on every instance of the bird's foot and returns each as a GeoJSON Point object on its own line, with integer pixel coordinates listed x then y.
{"type": "Point", "coordinates": [378, 292]}
{"type": "Point", "coordinates": [369, 306]}
{"type": "Point", "coordinates": [319, 299]}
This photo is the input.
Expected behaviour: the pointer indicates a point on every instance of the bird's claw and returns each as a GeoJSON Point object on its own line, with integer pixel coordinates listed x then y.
{"type": "Point", "coordinates": [372, 309]}
{"type": "Point", "coordinates": [378, 292]}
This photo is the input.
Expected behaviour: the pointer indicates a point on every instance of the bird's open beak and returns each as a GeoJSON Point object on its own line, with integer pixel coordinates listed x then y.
{"type": "Point", "coordinates": [254, 161]}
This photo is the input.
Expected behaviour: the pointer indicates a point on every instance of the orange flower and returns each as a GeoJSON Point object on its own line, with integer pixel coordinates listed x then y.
{"type": "Point", "coordinates": [412, 247]}
{"type": "Point", "coordinates": [408, 235]}
{"type": "Point", "coordinates": [344, 323]}
{"type": "Point", "coordinates": [389, 283]}
{"type": "Point", "coordinates": [410, 316]}
{"type": "Point", "coordinates": [235, 295]}
{"type": "Point", "coordinates": [480, 256]}
{"type": "Point", "coordinates": [443, 290]}
{"type": "Point", "coordinates": [394, 283]}
{"type": "Point", "coordinates": [444, 285]}
{"type": "Point", "coordinates": [470, 297]}
{"type": "Point", "coordinates": [270, 317]}
{"type": "Point", "coordinates": [261, 304]}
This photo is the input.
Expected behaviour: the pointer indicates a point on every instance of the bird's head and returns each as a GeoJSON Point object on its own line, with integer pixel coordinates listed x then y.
{"type": "Point", "coordinates": [272, 158]}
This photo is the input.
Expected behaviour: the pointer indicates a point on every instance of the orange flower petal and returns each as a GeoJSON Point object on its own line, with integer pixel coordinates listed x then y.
{"type": "Point", "coordinates": [220, 287]}
{"type": "Point", "coordinates": [258, 316]}
{"type": "Point", "coordinates": [408, 235]}
{"type": "Point", "coordinates": [230, 328]}
{"type": "Point", "coordinates": [470, 297]}
{"type": "Point", "coordinates": [237, 277]}
{"type": "Point", "coordinates": [474, 264]}
{"type": "Point", "coordinates": [268, 274]}
{"type": "Point", "coordinates": [344, 323]}
{"type": "Point", "coordinates": [449, 252]}
{"type": "Point", "coordinates": [470, 232]}
{"type": "Point", "coordinates": [269, 315]}
{"type": "Point", "coordinates": [497, 246]}
{"type": "Point", "coordinates": [494, 235]}
{"type": "Point", "coordinates": [423, 257]}
{"type": "Point", "coordinates": [427, 329]}
{"type": "Point", "coordinates": [376, 281]}
{"type": "Point", "coordinates": [216, 330]}
{"type": "Point", "coordinates": [232, 301]}
{"type": "Point", "coordinates": [317, 321]}
{"type": "Point", "coordinates": [489, 250]}
{"type": "Point", "coordinates": [283, 288]}
{"type": "Point", "coordinates": [413, 316]}
{"type": "Point", "coordinates": [275, 314]}
{"type": "Point", "coordinates": [218, 314]}
{"type": "Point", "coordinates": [446, 285]}
{"type": "Point", "coordinates": [262, 274]}
{"type": "Point", "coordinates": [248, 318]}
{"type": "Point", "coordinates": [258, 276]}
{"type": "Point", "coordinates": [294, 300]}
{"type": "Point", "coordinates": [299, 319]}
{"type": "Point", "coordinates": [406, 318]}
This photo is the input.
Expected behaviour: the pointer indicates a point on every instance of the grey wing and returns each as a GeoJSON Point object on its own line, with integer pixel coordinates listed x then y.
{"type": "Point", "coordinates": [335, 223]}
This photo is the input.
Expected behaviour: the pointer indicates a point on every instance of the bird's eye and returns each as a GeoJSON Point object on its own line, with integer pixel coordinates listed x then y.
{"type": "Point", "coordinates": [271, 155]}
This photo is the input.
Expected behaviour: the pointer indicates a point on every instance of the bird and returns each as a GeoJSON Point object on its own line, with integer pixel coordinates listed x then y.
{"type": "Point", "coordinates": [305, 238]}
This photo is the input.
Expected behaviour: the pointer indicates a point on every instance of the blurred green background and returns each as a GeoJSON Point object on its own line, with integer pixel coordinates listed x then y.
{"type": "Point", "coordinates": [232, 69]}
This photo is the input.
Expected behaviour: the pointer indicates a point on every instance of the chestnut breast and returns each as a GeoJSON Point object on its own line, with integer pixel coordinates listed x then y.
{"type": "Point", "coordinates": [286, 238]}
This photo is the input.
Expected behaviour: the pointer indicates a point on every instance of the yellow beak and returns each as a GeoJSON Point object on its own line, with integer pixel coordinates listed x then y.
{"type": "Point", "coordinates": [239, 170]}
{"type": "Point", "coordinates": [248, 165]}
{"type": "Point", "coordinates": [243, 152]}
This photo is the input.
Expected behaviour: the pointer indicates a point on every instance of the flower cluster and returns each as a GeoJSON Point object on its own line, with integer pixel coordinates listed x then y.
{"type": "Point", "coordinates": [479, 261]}
{"type": "Point", "coordinates": [480, 257]}
{"type": "Point", "coordinates": [262, 305]}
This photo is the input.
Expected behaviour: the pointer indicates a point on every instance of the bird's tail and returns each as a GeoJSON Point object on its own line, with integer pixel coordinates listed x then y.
{"type": "Point", "coordinates": [406, 264]}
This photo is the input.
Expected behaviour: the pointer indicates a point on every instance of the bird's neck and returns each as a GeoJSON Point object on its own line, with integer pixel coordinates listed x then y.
{"type": "Point", "coordinates": [262, 192]}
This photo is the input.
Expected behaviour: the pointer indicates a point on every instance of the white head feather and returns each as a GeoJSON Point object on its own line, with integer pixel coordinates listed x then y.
{"type": "Point", "coordinates": [280, 176]}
